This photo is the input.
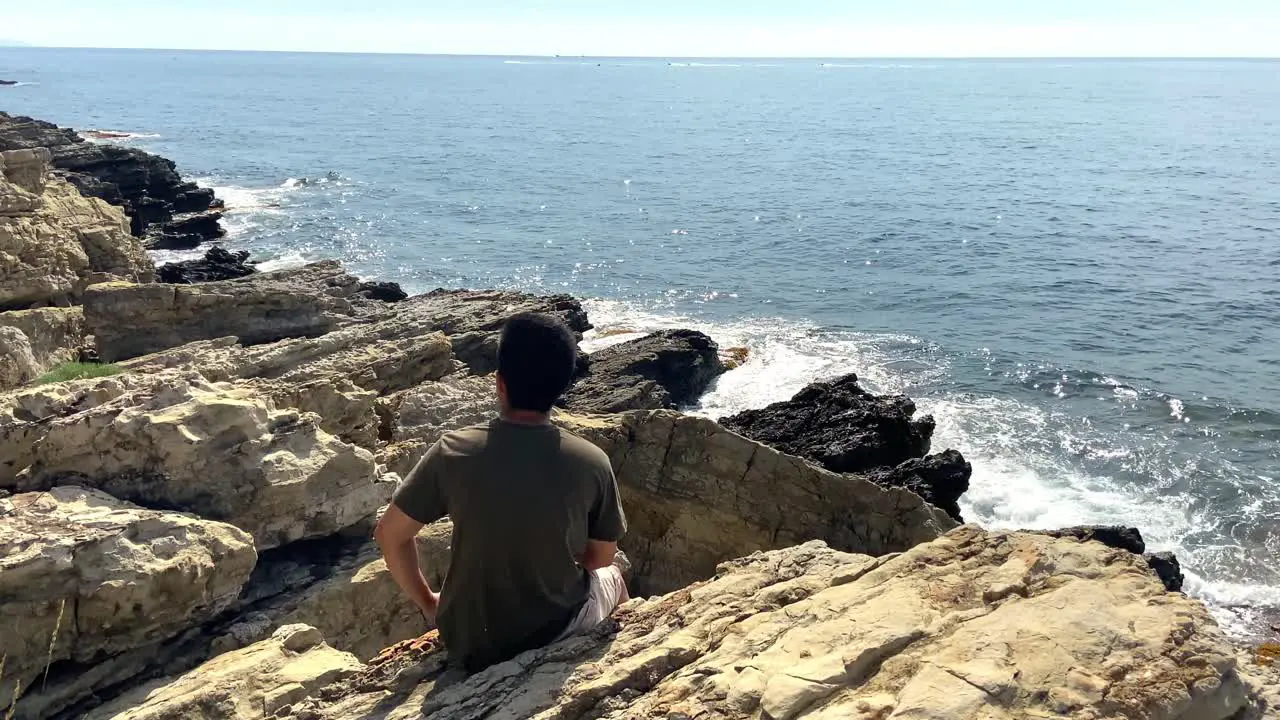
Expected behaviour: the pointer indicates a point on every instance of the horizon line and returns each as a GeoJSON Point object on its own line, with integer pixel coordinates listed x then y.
{"type": "Point", "coordinates": [29, 46]}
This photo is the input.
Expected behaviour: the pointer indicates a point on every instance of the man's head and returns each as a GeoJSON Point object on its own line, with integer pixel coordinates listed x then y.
{"type": "Point", "coordinates": [536, 359]}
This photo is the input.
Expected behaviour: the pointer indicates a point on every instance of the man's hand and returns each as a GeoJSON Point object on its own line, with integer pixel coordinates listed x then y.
{"type": "Point", "coordinates": [431, 606]}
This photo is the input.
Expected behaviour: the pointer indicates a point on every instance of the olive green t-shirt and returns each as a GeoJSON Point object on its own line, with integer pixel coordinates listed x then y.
{"type": "Point", "coordinates": [524, 500]}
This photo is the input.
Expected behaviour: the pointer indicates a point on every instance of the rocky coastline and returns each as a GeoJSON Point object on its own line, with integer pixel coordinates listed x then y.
{"type": "Point", "coordinates": [189, 536]}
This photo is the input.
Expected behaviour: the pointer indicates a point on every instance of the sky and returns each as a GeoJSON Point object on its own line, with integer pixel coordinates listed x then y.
{"type": "Point", "coordinates": [666, 28]}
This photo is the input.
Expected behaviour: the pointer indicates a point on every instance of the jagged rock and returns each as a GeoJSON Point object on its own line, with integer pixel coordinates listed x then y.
{"type": "Point", "coordinates": [662, 370]}
{"type": "Point", "coordinates": [840, 426]}
{"type": "Point", "coordinates": [940, 479]}
{"type": "Point", "coordinates": [249, 684]}
{"type": "Point", "coordinates": [85, 577]}
{"type": "Point", "coordinates": [185, 232]}
{"type": "Point", "coordinates": [384, 291]}
{"type": "Point", "coordinates": [697, 494]}
{"type": "Point", "coordinates": [414, 419]}
{"type": "Point", "coordinates": [972, 625]}
{"type": "Point", "coordinates": [1166, 567]}
{"type": "Point", "coordinates": [224, 452]}
{"type": "Point", "coordinates": [52, 336]}
{"type": "Point", "coordinates": [217, 264]}
{"type": "Point", "coordinates": [129, 320]}
{"type": "Point", "coordinates": [18, 363]}
{"type": "Point", "coordinates": [147, 187]}
{"type": "Point", "coordinates": [54, 241]}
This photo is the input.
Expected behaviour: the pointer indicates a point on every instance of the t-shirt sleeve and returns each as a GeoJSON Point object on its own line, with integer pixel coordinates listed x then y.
{"type": "Point", "coordinates": [420, 495]}
{"type": "Point", "coordinates": [607, 522]}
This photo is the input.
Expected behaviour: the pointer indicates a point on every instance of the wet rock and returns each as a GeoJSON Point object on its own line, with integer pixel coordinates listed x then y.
{"type": "Point", "coordinates": [664, 370]}
{"type": "Point", "coordinates": [840, 426]}
{"type": "Point", "coordinates": [385, 291]}
{"type": "Point", "coordinates": [940, 479]}
{"type": "Point", "coordinates": [217, 264]}
{"type": "Point", "coordinates": [1116, 536]}
{"type": "Point", "coordinates": [184, 232]}
{"type": "Point", "coordinates": [1166, 567]}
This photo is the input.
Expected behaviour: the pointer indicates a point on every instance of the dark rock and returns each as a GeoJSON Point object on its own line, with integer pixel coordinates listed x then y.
{"type": "Point", "coordinates": [217, 264]}
{"type": "Point", "coordinates": [184, 233]}
{"type": "Point", "coordinates": [1166, 567]}
{"type": "Point", "coordinates": [146, 186]}
{"type": "Point", "coordinates": [940, 479]}
{"type": "Point", "coordinates": [840, 426]}
{"type": "Point", "coordinates": [663, 370]}
{"type": "Point", "coordinates": [1116, 536]}
{"type": "Point", "coordinates": [385, 291]}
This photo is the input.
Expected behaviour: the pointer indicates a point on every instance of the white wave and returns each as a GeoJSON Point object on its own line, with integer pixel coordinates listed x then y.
{"type": "Point", "coordinates": [97, 135]}
{"type": "Point", "coordinates": [1023, 475]}
{"type": "Point", "coordinates": [284, 262]}
{"type": "Point", "coordinates": [162, 257]}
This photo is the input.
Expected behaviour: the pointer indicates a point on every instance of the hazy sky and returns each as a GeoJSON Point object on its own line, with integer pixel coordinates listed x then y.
{"type": "Point", "coordinates": [809, 28]}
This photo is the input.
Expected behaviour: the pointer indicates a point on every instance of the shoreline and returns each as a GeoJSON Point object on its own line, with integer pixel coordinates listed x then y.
{"type": "Point", "coordinates": [306, 393]}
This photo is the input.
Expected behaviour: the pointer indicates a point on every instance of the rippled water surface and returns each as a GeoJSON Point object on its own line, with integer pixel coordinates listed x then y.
{"type": "Point", "coordinates": [1073, 265]}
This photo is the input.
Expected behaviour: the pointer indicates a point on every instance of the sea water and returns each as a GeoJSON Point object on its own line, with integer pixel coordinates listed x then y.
{"type": "Point", "coordinates": [1074, 265]}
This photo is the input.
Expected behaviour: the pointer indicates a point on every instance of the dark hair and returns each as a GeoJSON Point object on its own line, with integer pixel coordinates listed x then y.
{"type": "Point", "coordinates": [537, 356]}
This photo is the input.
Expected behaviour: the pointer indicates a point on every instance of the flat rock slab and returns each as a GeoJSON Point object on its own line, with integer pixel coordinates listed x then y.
{"type": "Point", "coordinates": [972, 626]}
{"type": "Point", "coordinates": [84, 576]}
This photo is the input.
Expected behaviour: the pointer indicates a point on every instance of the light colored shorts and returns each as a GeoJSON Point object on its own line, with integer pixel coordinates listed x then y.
{"type": "Point", "coordinates": [607, 589]}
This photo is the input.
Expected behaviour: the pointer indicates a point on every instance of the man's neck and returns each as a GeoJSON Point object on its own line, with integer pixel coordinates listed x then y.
{"type": "Point", "coordinates": [525, 417]}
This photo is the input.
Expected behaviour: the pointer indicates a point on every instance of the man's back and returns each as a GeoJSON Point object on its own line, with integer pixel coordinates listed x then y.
{"type": "Point", "coordinates": [524, 500]}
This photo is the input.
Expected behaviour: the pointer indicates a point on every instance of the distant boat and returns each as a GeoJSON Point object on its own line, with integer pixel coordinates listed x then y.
{"type": "Point", "coordinates": [8, 82]}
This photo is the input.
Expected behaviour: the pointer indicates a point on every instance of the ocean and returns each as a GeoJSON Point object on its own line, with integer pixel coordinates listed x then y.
{"type": "Point", "coordinates": [1072, 264]}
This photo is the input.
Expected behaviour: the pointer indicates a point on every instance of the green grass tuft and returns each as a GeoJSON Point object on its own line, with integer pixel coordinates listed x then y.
{"type": "Point", "coordinates": [77, 371]}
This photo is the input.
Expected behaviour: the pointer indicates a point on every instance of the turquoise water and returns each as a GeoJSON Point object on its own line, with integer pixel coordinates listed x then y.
{"type": "Point", "coordinates": [1073, 264]}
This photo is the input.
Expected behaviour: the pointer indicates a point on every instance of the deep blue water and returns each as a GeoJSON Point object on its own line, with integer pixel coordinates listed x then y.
{"type": "Point", "coordinates": [1072, 264]}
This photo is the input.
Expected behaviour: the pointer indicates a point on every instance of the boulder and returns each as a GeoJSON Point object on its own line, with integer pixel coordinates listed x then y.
{"type": "Point", "coordinates": [697, 495]}
{"type": "Point", "coordinates": [147, 187]}
{"type": "Point", "coordinates": [224, 452]}
{"type": "Point", "coordinates": [85, 577]}
{"type": "Point", "coordinates": [217, 264]}
{"type": "Point", "coordinates": [250, 684]}
{"type": "Point", "coordinates": [666, 369]}
{"type": "Point", "coordinates": [52, 336]}
{"type": "Point", "coordinates": [840, 426]}
{"type": "Point", "coordinates": [971, 625]}
{"type": "Point", "coordinates": [129, 320]}
{"type": "Point", "coordinates": [18, 364]}
{"type": "Point", "coordinates": [54, 241]}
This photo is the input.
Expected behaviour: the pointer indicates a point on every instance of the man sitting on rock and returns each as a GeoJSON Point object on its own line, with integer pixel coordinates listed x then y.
{"type": "Point", "coordinates": [535, 509]}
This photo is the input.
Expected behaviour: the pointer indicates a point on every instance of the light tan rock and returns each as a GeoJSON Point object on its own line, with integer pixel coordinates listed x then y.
{"type": "Point", "coordinates": [358, 607]}
{"type": "Point", "coordinates": [84, 576]}
{"type": "Point", "coordinates": [52, 336]}
{"type": "Point", "coordinates": [696, 495]}
{"type": "Point", "coordinates": [416, 418]}
{"type": "Point", "coordinates": [249, 684]}
{"type": "Point", "coordinates": [808, 632]}
{"type": "Point", "coordinates": [53, 240]}
{"type": "Point", "coordinates": [224, 452]}
{"type": "Point", "coordinates": [18, 364]}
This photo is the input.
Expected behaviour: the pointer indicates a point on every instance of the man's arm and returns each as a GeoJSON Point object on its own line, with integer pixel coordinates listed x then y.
{"type": "Point", "coordinates": [396, 533]}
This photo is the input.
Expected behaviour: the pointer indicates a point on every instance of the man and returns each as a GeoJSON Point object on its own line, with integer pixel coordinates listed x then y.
{"type": "Point", "coordinates": [535, 509]}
